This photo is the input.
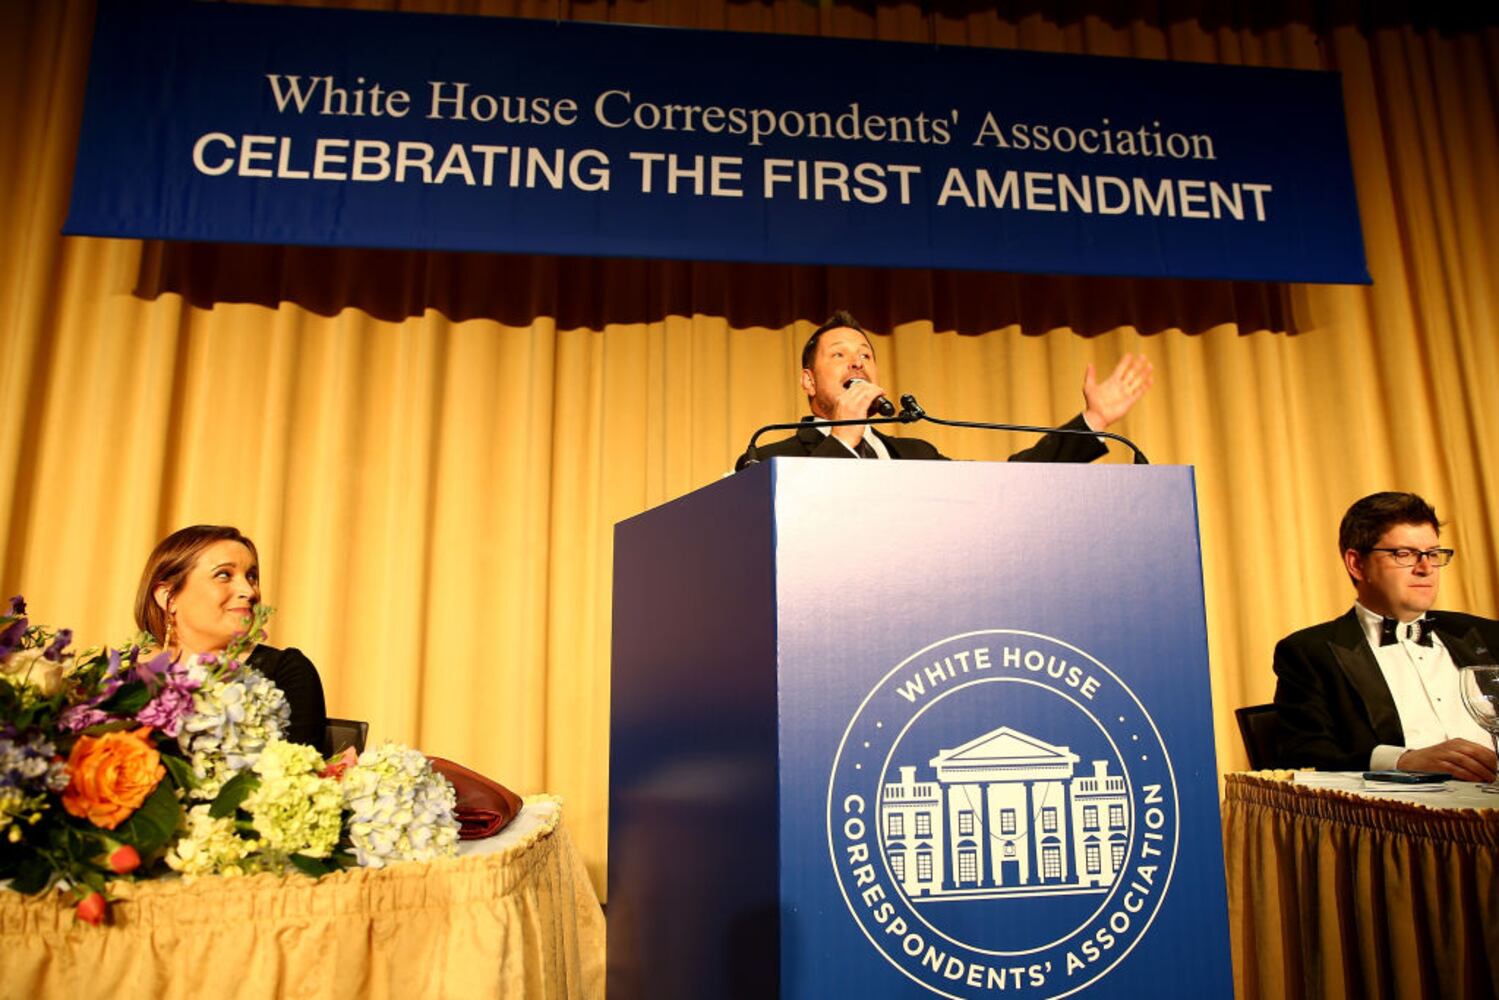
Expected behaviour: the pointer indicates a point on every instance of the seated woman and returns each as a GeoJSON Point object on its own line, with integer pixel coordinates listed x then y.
{"type": "Point", "coordinates": [198, 590]}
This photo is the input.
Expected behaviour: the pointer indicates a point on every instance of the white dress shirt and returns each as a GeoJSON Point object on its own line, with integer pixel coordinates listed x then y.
{"type": "Point", "coordinates": [1423, 680]}
{"type": "Point", "coordinates": [880, 451]}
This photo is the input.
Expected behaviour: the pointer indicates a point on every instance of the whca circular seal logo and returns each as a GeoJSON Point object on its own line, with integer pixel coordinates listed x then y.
{"type": "Point", "coordinates": [1002, 815]}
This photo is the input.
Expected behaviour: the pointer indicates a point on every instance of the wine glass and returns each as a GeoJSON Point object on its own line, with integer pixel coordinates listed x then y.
{"type": "Point", "coordinates": [1480, 689]}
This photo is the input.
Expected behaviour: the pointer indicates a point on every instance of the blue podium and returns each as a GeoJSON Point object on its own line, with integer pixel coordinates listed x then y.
{"type": "Point", "coordinates": [904, 729]}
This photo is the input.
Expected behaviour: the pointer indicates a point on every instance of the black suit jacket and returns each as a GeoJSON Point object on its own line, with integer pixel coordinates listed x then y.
{"type": "Point", "coordinates": [292, 672]}
{"type": "Point", "coordinates": [1333, 702]}
{"type": "Point", "coordinates": [812, 442]}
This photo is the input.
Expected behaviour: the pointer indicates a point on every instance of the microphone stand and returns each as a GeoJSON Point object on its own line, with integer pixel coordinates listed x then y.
{"type": "Point", "coordinates": [753, 458]}
{"type": "Point", "coordinates": [911, 412]}
{"type": "Point", "coordinates": [920, 414]}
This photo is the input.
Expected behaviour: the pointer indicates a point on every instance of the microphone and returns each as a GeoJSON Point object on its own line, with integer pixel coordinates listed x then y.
{"type": "Point", "coordinates": [881, 405]}
{"type": "Point", "coordinates": [911, 412]}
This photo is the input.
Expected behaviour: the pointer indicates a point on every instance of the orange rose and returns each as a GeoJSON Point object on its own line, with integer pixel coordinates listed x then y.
{"type": "Point", "coordinates": [111, 775]}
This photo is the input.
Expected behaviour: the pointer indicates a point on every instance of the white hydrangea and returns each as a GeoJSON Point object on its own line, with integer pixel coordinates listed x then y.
{"type": "Point", "coordinates": [213, 847]}
{"type": "Point", "coordinates": [294, 810]}
{"type": "Point", "coordinates": [400, 809]}
{"type": "Point", "coordinates": [233, 718]}
{"type": "Point", "coordinates": [281, 759]}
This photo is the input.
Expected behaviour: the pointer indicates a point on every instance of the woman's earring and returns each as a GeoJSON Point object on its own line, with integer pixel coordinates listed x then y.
{"type": "Point", "coordinates": [166, 643]}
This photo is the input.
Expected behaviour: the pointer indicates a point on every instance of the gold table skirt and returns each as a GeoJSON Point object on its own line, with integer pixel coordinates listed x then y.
{"type": "Point", "coordinates": [518, 921]}
{"type": "Point", "coordinates": [1333, 894]}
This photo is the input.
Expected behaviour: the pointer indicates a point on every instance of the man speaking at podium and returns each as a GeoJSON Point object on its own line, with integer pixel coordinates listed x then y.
{"type": "Point", "coordinates": [841, 381]}
{"type": "Point", "coordinates": [1377, 689]}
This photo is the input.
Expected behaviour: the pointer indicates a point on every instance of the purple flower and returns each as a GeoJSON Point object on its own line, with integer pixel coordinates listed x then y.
{"type": "Point", "coordinates": [10, 636]}
{"type": "Point", "coordinates": [30, 764]}
{"type": "Point", "coordinates": [166, 711]}
{"type": "Point", "coordinates": [173, 700]}
{"type": "Point", "coordinates": [77, 718]}
{"type": "Point", "coordinates": [54, 651]}
{"type": "Point", "coordinates": [151, 669]}
{"type": "Point", "coordinates": [18, 605]}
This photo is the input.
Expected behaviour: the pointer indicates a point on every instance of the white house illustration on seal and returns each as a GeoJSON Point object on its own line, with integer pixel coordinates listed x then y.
{"type": "Point", "coordinates": [1004, 817]}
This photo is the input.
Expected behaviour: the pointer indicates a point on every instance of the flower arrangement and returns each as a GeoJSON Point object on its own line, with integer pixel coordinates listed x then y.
{"type": "Point", "coordinates": [123, 763]}
{"type": "Point", "coordinates": [398, 808]}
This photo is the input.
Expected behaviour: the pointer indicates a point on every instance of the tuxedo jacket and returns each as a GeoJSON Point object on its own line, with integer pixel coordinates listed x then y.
{"type": "Point", "coordinates": [292, 672]}
{"type": "Point", "coordinates": [1333, 702]}
{"type": "Point", "coordinates": [811, 441]}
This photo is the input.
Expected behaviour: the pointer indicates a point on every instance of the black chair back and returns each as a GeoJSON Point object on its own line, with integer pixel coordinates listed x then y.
{"type": "Point", "coordinates": [346, 733]}
{"type": "Point", "coordinates": [1260, 727]}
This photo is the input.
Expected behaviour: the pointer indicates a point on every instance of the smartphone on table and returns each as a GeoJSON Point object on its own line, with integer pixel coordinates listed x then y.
{"type": "Point", "coordinates": [1408, 777]}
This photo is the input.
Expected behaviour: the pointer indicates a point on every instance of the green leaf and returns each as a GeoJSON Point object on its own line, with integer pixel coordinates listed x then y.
{"type": "Point", "coordinates": [310, 866]}
{"type": "Point", "coordinates": [128, 700]}
{"type": "Point", "coordinates": [181, 771]}
{"type": "Point", "coordinates": [234, 792]}
{"type": "Point", "coordinates": [115, 726]}
{"type": "Point", "coordinates": [32, 876]}
{"type": "Point", "coordinates": [153, 824]}
{"type": "Point", "coordinates": [77, 838]}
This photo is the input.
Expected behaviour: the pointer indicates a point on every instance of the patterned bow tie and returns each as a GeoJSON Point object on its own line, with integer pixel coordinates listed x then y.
{"type": "Point", "coordinates": [1422, 627]}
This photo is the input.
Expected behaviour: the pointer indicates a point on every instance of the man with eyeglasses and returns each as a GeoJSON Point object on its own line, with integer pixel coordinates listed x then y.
{"type": "Point", "coordinates": [1377, 689]}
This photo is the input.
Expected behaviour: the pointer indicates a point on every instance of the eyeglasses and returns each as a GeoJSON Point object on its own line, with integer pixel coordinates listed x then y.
{"type": "Point", "coordinates": [1409, 557]}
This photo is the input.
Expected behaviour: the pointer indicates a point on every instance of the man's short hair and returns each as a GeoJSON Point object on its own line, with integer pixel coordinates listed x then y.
{"type": "Point", "coordinates": [1368, 519]}
{"type": "Point", "coordinates": [837, 321]}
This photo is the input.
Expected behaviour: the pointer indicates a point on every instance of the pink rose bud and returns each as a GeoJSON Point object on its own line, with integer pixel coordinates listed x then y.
{"type": "Point", "coordinates": [124, 860]}
{"type": "Point", "coordinates": [336, 766]}
{"type": "Point", "coordinates": [91, 908]}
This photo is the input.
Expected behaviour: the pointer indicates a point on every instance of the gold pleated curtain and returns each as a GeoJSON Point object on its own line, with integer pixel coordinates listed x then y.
{"type": "Point", "coordinates": [431, 449]}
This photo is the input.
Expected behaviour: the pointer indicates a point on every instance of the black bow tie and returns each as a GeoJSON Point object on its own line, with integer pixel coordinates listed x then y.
{"type": "Point", "coordinates": [1423, 626]}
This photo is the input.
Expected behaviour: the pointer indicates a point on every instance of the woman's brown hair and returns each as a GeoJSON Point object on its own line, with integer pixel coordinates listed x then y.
{"type": "Point", "coordinates": [173, 556]}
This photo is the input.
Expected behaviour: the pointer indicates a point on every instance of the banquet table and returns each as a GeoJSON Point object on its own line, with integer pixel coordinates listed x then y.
{"type": "Point", "coordinates": [1336, 890]}
{"type": "Point", "coordinates": [514, 915]}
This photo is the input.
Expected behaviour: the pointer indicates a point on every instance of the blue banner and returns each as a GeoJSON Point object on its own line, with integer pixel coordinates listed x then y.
{"type": "Point", "coordinates": [268, 124]}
